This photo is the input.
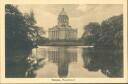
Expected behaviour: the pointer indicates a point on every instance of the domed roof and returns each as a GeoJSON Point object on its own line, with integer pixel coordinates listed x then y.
{"type": "Point", "coordinates": [63, 18]}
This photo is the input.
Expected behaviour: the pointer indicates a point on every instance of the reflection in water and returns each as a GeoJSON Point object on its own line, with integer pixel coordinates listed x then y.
{"type": "Point", "coordinates": [34, 62]}
{"type": "Point", "coordinates": [107, 60]}
{"type": "Point", "coordinates": [62, 56]}
{"type": "Point", "coordinates": [76, 62]}
{"type": "Point", "coordinates": [70, 62]}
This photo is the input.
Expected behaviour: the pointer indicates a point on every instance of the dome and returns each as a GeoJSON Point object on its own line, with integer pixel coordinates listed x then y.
{"type": "Point", "coordinates": [63, 18]}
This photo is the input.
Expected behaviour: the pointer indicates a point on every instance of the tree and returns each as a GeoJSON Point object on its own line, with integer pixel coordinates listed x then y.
{"type": "Point", "coordinates": [108, 34]}
{"type": "Point", "coordinates": [107, 54]}
{"type": "Point", "coordinates": [21, 30]}
{"type": "Point", "coordinates": [91, 33]}
{"type": "Point", "coordinates": [21, 35]}
{"type": "Point", "coordinates": [111, 34]}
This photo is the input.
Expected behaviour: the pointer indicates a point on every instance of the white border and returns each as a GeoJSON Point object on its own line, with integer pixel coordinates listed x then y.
{"type": "Point", "coordinates": [48, 80]}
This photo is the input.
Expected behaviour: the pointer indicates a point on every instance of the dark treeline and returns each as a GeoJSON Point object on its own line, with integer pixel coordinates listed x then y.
{"type": "Point", "coordinates": [107, 39]}
{"type": "Point", "coordinates": [108, 34]}
{"type": "Point", "coordinates": [22, 34]}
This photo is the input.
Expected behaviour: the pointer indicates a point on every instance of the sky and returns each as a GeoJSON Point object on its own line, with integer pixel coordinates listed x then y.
{"type": "Point", "coordinates": [79, 14]}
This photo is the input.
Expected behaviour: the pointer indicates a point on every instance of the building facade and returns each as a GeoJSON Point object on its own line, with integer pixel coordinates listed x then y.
{"type": "Point", "coordinates": [62, 31]}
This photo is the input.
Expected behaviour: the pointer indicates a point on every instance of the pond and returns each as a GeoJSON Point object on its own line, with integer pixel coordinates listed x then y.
{"type": "Point", "coordinates": [65, 61]}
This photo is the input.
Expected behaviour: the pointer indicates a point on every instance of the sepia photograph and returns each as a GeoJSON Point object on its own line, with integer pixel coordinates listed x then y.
{"type": "Point", "coordinates": [64, 41]}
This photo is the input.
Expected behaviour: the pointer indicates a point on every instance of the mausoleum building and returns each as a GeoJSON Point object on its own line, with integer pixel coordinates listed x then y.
{"type": "Point", "coordinates": [62, 31]}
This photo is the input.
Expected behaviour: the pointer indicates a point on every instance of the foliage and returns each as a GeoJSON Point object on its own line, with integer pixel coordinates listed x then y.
{"type": "Point", "coordinates": [109, 34]}
{"type": "Point", "coordinates": [108, 61]}
{"type": "Point", "coordinates": [21, 35]}
{"type": "Point", "coordinates": [21, 30]}
{"type": "Point", "coordinates": [107, 54]}
{"type": "Point", "coordinates": [91, 33]}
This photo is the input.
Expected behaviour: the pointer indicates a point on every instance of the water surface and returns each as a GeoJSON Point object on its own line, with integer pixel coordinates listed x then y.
{"type": "Point", "coordinates": [65, 61]}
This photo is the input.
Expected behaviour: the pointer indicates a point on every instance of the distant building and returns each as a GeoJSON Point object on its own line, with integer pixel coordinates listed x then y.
{"type": "Point", "coordinates": [62, 31]}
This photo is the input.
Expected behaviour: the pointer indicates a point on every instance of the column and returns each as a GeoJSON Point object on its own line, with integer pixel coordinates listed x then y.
{"type": "Point", "coordinates": [76, 35]}
{"type": "Point", "coordinates": [57, 35]}
{"type": "Point", "coordinates": [52, 35]}
{"type": "Point", "coordinates": [60, 34]}
{"type": "Point", "coordinates": [71, 35]}
{"type": "Point", "coordinates": [68, 35]}
{"type": "Point", "coordinates": [49, 34]}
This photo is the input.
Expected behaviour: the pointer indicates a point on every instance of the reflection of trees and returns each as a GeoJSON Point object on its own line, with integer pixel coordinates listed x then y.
{"type": "Point", "coordinates": [34, 62]}
{"type": "Point", "coordinates": [22, 34]}
{"type": "Point", "coordinates": [89, 61]}
{"type": "Point", "coordinates": [107, 38]}
{"type": "Point", "coordinates": [62, 56]}
{"type": "Point", "coordinates": [107, 60]}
